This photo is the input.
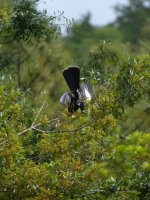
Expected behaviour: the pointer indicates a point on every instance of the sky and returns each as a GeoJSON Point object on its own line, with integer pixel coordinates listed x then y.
{"type": "Point", "coordinates": [102, 11]}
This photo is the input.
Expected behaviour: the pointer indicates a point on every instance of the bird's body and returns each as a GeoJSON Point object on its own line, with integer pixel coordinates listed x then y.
{"type": "Point", "coordinates": [78, 94]}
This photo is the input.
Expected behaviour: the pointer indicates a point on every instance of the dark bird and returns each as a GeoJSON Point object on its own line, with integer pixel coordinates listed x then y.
{"type": "Point", "coordinates": [78, 94]}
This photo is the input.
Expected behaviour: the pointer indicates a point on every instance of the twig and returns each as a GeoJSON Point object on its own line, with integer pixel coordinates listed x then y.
{"type": "Point", "coordinates": [64, 131]}
{"type": "Point", "coordinates": [26, 130]}
{"type": "Point", "coordinates": [38, 114]}
{"type": "Point", "coordinates": [33, 124]}
{"type": "Point", "coordinates": [34, 127]}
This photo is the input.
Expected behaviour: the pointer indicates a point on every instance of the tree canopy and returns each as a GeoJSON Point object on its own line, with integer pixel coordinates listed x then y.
{"type": "Point", "coordinates": [133, 18]}
{"type": "Point", "coordinates": [47, 153]}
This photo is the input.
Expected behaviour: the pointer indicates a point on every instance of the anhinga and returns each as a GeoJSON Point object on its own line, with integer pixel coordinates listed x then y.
{"type": "Point", "coordinates": [78, 94]}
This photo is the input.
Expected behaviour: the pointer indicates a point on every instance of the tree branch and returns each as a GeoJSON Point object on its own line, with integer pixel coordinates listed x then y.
{"type": "Point", "coordinates": [64, 131]}
{"type": "Point", "coordinates": [34, 127]}
{"type": "Point", "coordinates": [38, 114]}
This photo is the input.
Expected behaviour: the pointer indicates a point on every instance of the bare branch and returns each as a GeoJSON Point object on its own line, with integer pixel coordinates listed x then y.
{"type": "Point", "coordinates": [26, 130]}
{"type": "Point", "coordinates": [34, 126]}
{"type": "Point", "coordinates": [64, 131]}
{"type": "Point", "coordinates": [38, 114]}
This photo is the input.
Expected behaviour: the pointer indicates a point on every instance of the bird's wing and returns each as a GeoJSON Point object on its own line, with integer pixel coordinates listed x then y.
{"type": "Point", "coordinates": [65, 98]}
{"type": "Point", "coordinates": [86, 91]}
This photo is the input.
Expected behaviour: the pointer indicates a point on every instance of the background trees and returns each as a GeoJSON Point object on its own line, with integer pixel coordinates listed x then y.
{"type": "Point", "coordinates": [28, 52]}
{"type": "Point", "coordinates": [100, 153]}
{"type": "Point", "coordinates": [133, 18]}
{"type": "Point", "coordinates": [80, 156]}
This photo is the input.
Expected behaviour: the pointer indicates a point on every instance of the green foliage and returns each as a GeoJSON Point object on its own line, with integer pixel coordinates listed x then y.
{"type": "Point", "coordinates": [83, 36]}
{"type": "Point", "coordinates": [29, 54]}
{"type": "Point", "coordinates": [25, 23]}
{"type": "Point", "coordinates": [133, 154]}
{"type": "Point", "coordinates": [82, 155]}
{"type": "Point", "coordinates": [129, 32]}
{"type": "Point", "coordinates": [133, 18]}
{"type": "Point", "coordinates": [105, 65]}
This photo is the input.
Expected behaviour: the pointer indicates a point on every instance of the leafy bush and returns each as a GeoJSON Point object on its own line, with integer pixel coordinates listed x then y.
{"type": "Point", "coordinates": [78, 156]}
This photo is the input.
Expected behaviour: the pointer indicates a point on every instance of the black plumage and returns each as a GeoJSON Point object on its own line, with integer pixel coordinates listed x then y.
{"type": "Point", "coordinates": [78, 94]}
{"type": "Point", "coordinates": [72, 77]}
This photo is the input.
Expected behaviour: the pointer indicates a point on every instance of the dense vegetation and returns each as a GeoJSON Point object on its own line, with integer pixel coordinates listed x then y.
{"type": "Point", "coordinates": [101, 153]}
